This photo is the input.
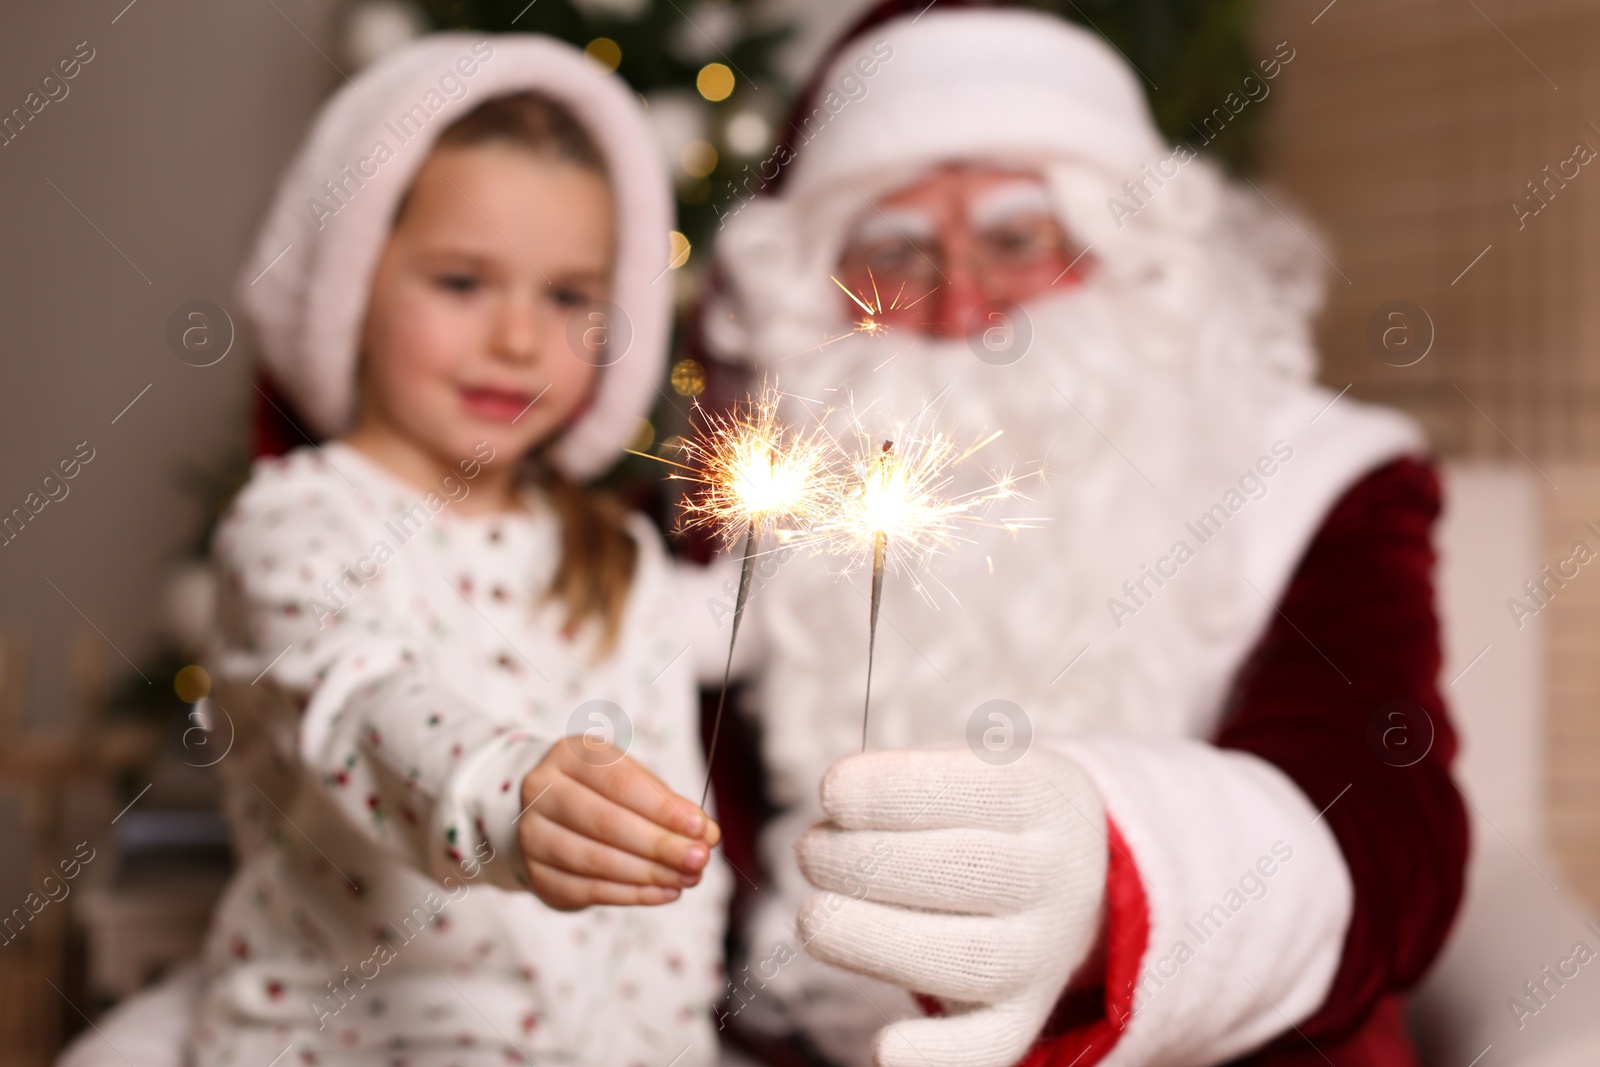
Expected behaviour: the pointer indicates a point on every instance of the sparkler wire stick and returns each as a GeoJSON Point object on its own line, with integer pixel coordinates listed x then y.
{"type": "Point", "coordinates": [746, 570]}
{"type": "Point", "coordinates": [880, 545]}
{"type": "Point", "coordinates": [880, 550]}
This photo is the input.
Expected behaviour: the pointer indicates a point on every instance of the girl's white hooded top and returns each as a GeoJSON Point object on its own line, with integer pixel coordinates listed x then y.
{"type": "Point", "coordinates": [388, 671]}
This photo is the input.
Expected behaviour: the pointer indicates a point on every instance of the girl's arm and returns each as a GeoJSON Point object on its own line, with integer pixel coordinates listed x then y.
{"type": "Point", "coordinates": [416, 766]}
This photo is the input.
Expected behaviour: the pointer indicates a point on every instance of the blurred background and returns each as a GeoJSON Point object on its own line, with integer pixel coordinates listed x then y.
{"type": "Point", "coordinates": [1442, 148]}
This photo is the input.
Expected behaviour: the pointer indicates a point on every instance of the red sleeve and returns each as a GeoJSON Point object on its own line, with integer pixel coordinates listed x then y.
{"type": "Point", "coordinates": [1341, 694]}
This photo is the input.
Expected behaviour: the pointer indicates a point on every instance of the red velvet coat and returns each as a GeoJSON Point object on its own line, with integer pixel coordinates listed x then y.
{"type": "Point", "coordinates": [1362, 594]}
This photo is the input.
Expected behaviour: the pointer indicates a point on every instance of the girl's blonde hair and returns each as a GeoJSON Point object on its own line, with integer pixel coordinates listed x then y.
{"type": "Point", "coordinates": [598, 555]}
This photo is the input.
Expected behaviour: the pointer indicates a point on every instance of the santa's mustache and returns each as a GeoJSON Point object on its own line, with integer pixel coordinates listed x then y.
{"type": "Point", "coordinates": [1075, 368]}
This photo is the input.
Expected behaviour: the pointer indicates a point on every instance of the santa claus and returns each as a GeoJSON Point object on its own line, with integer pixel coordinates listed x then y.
{"type": "Point", "coordinates": [1162, 778]}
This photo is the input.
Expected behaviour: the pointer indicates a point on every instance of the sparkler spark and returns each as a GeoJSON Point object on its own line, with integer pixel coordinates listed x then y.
{"type": "Point", "coordinates": [875, 306]}
{"type": "Point", "coordinates": [902, 491]}
{"type": "Point", "coordinates": [872, 307]}
{"type": "Point", "coordinates": [892, 505]}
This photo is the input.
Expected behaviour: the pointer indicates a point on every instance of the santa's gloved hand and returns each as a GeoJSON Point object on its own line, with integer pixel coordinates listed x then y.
{"type": "Point", "coordinates": [975, 883]}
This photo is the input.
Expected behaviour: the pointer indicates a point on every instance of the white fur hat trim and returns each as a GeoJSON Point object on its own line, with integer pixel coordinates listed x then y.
{"type": "Point", "coordinates": [980, 83]}
{"type": "Point", "coordinates": [304, 287]}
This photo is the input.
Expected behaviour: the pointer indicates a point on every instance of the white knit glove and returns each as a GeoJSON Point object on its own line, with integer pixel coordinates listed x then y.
{"type": "Point", "coordinates": [975, 883]}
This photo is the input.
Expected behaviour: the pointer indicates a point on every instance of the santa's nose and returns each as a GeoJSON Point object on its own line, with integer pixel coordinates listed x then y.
{"type": "Point", "coordinates": [959, 298]}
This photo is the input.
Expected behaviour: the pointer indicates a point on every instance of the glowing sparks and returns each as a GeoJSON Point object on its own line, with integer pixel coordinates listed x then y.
{"type": "Point", "coordinates": [753, 472]}
{"type": "Point", "coordinates": [896, 507]}
{"type": "Point", "coordinates": [900, 493]}
{"type": "Point", "coordinates": [892, 505]}
{"type": "Point", "coordinates": [873, 306]}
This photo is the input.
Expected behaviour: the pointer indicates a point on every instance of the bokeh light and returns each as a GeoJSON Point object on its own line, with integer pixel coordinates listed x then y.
{"type": "Point", "coordinates": [604, 54]}
{"type": "Point", "coordinates": [192, 683]}
{"type": "Point", "coordinates": [688, 377]}
{"type": "Point", "coordinates": [715, 82]}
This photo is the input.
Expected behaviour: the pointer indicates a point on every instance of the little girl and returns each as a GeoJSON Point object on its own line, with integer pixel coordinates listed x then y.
{"type": "Point", "coordinates": [447, 665]}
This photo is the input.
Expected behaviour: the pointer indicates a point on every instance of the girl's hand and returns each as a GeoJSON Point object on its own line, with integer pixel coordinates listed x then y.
{"type": "Point", "coordinates": [597, 828]}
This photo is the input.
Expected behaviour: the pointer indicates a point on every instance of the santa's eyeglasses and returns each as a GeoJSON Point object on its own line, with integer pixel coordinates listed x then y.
{"type": "Point", "coordinates": [996, 246]}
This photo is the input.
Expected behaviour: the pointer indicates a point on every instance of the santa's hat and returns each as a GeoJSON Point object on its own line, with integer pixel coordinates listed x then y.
{"type": "Point", "coordinates": [305, 285]}
{"type": "Point", "coordinates": [969, 82]}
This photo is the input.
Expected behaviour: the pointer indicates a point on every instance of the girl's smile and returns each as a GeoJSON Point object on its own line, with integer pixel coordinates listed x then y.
{"type": "Point", "coordinates": [497, 405]}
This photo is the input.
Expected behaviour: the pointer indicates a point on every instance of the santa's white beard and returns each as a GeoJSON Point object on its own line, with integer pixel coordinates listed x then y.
{"type": "Point", "coordinates": [1118, 436]}
{"type": "Point", "coordinates": [1132, 427]}
{"type": "Point", "coordinates": [1129, 433]}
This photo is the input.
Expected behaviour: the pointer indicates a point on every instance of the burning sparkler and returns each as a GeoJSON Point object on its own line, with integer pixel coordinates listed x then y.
{"type": "Point", "coordinates": [755, 476]}
{"type": "Point", "coordinates": [897, 511]}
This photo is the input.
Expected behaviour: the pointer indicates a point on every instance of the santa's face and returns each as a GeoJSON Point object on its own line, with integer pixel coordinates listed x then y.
{"type": "Point", "coordinates": [1139, 395]}
{"type": "Point", "coordinates": [929, 255]}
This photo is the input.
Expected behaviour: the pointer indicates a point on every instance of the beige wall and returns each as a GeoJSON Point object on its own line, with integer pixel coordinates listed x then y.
{"type": "Point", "coordinates": [166, 145]}
{"type": "Point", "coordinates": [1407, 128]}
{"type": "Point", "coordinates": [130, 195]}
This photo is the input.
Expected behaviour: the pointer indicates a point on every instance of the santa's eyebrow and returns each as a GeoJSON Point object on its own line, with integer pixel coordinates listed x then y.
{"type": "Point", "coordinates": [1025, 196]}
{"type": "Point", "coordinates": [911, 224]}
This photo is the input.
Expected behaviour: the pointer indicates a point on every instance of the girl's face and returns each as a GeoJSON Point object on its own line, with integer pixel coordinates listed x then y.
{"type": "Point", "coordinates": [468, 336]}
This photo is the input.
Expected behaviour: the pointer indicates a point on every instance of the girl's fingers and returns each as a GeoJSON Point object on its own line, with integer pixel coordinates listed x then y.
{"type": "Point", "coordinates": [568, 892]}
{"type": "Point", "coordinates": [628, 783]}
{"type": "Point", "coordinates": [553, 845]}
{"type": "Point", "coordinates": [589, 814]}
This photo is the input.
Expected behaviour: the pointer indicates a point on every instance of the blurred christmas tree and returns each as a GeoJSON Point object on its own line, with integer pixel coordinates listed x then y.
{"type": "Point", "coordinates": [1191, 54]}
{"type": "Point", "coordinates": [704, 69]}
